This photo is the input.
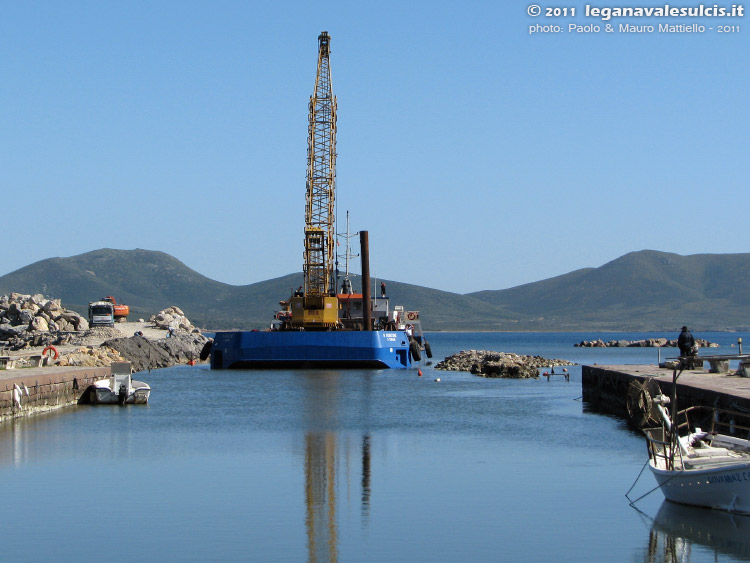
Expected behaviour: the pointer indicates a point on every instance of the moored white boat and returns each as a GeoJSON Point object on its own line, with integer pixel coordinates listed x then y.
{"type": "Point", "coordinates": [703, 458]}
{"type": "Point", "coordinates": [713, 475]}
{"type": "Point", "coordinates": [119, 388]}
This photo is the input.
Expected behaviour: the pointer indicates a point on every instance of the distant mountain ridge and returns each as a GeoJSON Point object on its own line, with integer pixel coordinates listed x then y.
{"type": "Point", "coordinates": [644, 290]}
{"type": "Point", "coordinates": [640, 290]}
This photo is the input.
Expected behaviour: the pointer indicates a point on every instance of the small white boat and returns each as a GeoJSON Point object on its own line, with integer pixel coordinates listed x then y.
{"type": "Point", "coordinates": [703, 457]}
{"type": "Point", "coordinates": [120, 388]}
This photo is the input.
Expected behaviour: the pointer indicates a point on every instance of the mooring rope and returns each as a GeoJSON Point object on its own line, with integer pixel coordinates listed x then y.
{"type": "Point", "coordinates": [627, 495]}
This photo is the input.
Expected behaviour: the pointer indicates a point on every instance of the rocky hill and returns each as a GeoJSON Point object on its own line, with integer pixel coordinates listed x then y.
{"type": "Point", "coordinates": [640, 290]}
{"type": "Point", "coordinates": [646, 290]}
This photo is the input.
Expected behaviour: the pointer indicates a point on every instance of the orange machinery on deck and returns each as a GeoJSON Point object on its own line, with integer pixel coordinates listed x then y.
{"type": "Point", "coordinates": [121, 311]}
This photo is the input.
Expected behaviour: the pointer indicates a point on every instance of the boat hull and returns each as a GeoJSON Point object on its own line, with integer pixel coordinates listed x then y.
{"type": "Point", "coordinates": [722, 488]}
{"type": "Point", "coordinates": [103, 395]}
{"type": "Point", "coordinates": [307, 349]}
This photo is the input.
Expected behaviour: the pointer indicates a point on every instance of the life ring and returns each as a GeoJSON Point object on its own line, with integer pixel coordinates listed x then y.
{"type": "Point", "coordinates": [54, 350]}
{"type": "Point", "coordinates": [411, 315]}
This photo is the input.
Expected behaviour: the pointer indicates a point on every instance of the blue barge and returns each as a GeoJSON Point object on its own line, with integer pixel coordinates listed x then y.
{"type": "Point", "coordinates": [316, 327]}
{"type": "Point", "coordinates": [380, 349]}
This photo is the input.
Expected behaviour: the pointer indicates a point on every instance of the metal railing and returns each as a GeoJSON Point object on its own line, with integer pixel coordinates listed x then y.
{"type": "Point", "coordinates": [662, 442]}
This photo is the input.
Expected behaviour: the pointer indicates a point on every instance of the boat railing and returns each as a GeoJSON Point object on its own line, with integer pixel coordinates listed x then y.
{"type": "Point", "coordinates": [661, 448]}
{"type": "Point", "coordinates": [664, 446]}
{"type": "Point", "coordinates": [732, 423]}
{"type": "Point", "coordinates": [715, 420]}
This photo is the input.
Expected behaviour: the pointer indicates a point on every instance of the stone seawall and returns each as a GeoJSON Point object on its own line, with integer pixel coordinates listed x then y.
{"type": "Point", "coordinates": [606, 388]}
{"type": "Point", "coordinates": [25, 392]}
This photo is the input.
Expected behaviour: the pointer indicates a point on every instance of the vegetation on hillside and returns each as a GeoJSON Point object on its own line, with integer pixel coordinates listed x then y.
{"type": "Point", "coordinates": [646, 290]}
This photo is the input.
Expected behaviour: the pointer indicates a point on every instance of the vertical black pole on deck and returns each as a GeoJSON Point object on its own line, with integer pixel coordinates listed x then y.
{"type": "Point", "coordinates": [364, 243]}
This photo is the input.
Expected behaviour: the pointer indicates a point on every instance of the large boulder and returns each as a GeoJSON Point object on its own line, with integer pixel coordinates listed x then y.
{"type": "Point", "coordinates": [7, 329]}
{"type": "Point", "coordinates": [33, 307]}
{"type": "Point", "coordinates": [38, 323]}
{"type": "Point", "coordinates": [63, 325]}
{"type": "Point", "coordinates": [75, 319]}
{"type": "Point", "coordinates": [25, 316]}
{"type": "Point", "coordinates": [53, 307]}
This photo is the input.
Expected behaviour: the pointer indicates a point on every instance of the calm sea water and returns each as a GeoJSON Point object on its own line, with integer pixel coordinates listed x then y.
{"type": "Point", "coordinates": [352, 466]}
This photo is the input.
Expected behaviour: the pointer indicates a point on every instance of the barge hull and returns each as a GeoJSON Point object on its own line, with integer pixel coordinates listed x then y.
{"type": "Point", "coordinates": [308, 349]}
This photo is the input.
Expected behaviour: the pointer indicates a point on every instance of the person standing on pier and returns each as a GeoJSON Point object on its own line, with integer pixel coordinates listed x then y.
{"type": "Point", "coordinates": [686, 343]}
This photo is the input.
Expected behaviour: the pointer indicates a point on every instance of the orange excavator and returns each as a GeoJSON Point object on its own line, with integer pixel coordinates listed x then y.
{"type": "Point", "coordinates": [121, 311]}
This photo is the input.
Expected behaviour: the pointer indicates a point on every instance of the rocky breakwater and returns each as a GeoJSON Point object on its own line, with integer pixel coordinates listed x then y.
{"type": "Point", "coordinates": [33, 320]}
{"type": "Point", "coordinates": [644, 343]}
{"type": "Point", "coordinates": [29, 324]}
{"type": "Point", "coordinates": [146, 354]}
{"type": "Point", "coordinates": [182, 342]}
{"type": "Point", "coordinates": [498, 364]}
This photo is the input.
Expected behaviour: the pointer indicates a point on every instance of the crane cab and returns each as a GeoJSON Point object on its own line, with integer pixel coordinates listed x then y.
{"type": "Point", "coordinates": [314, 312]}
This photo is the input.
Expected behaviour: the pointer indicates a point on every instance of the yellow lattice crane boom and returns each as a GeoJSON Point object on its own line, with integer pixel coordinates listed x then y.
{"type": "Point", "coordinates": [318, 306]}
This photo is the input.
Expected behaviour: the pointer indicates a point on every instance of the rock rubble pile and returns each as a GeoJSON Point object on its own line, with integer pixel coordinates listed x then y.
{"type": "Point", "coordinates": [645, 343]}
{"type": "Point", "coordinates": [91, 356]}
{"type": "Point", "coordinates": [172, 317]}
{"type": "Point", "coordinates": [33, 320]}
{"type": "Point", "coordinates": [497, 364]}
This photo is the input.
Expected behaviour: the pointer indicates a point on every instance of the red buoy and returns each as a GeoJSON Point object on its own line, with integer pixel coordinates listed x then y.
{"type": "Point", "coordinates": [419, 372]}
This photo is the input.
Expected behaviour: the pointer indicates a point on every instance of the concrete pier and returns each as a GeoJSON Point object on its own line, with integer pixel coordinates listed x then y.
{"type": "Point", "coordinates": [605, 388]}
{"type": "Point", "coordinates": [29, 391]}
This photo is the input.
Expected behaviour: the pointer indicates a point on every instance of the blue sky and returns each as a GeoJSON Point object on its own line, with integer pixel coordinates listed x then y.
{"type": "Point", "coordinates": [477, 156]}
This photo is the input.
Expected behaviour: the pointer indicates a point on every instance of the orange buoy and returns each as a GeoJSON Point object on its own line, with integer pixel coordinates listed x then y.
{"type": "Point", "coordinates": [52, 349]}
{"type": "Point", "coordinates": [419, 372]}
{"type": "Point", "coordinates": [191, 362]}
